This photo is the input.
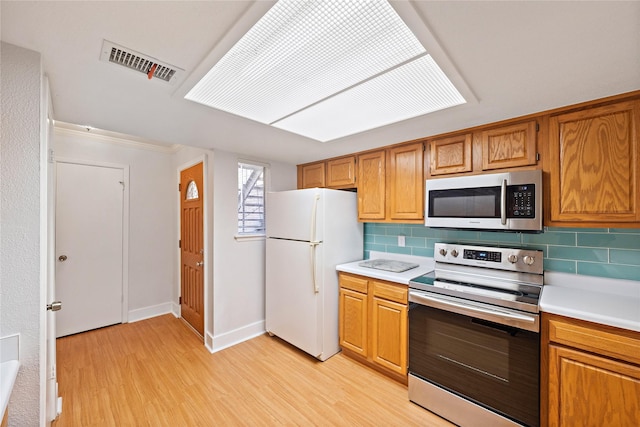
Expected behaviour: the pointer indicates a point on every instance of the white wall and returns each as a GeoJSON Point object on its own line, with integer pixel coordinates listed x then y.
{"type": "Point", "coordinates": [238, 269]}
{"type": "Point", "coordinates": [238, 266]}
{"type": "Point", "coordinates": [151, 223]}
{"type": "Point", "coordinates": [21, 307]}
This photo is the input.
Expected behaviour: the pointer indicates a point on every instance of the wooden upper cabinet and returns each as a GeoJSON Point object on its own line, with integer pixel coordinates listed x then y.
{"type": "Point", "coordinates": [593, 167]}
{"type": "Point", "coordinates": [311, 175]}
{"type": "Point", "coordinates": [509, 146]}
{"type": "Point", "coordinates": [341, 173]}
{"type": "Point", "coordinates": [405, 182]}
{"type": "Point", "coordinates": [451, 155]}
{"type": "Point", "coordinates": [371, 186]}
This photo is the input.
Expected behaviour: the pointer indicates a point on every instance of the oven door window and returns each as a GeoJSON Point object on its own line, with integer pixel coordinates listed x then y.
{"type": "Point", "coordinates": [482, 202]}
{"type": "Point", "coordinates": [493, 365]}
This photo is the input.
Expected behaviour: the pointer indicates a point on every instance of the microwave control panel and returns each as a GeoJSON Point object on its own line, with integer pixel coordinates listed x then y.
{"type": "Point", "coordinates": [521, 201]}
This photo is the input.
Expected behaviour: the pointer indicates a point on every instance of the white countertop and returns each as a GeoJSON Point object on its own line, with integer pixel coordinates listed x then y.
{"type": "Point", "coordinates": [9, 365]}
{"type": "Point", "coordinates": [610, 302]}
{"type": "Point", "coordinates": [425, 265]}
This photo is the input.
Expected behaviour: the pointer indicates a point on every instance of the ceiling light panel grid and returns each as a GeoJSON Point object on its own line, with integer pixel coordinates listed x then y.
{"type": "Point", "coordinates": [416, 88]}
{"type": "Point", "coordinates": [302, 52]}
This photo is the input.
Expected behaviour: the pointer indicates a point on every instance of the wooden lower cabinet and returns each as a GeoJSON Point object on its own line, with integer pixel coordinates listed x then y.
{"type": "Point", "coordinates": [591, 376]}
{"type": "Point", "coordinates": [373, 323]}
{"type": "Point", "coordinates": [353, 321]}
{"type": "Point", "coordinates": [389, 336]}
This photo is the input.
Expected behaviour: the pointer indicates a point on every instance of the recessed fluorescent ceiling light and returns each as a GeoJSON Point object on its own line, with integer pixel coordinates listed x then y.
{"type": "Point", "coordinates": [327, 69]}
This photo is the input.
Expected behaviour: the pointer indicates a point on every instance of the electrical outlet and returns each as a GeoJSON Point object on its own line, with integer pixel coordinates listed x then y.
{"type": "Point", "coordinates": [401, 240]}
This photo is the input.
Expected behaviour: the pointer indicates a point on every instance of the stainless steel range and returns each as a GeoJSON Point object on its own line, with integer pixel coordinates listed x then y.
{"type": "Point", "coordinates": [474, 335]}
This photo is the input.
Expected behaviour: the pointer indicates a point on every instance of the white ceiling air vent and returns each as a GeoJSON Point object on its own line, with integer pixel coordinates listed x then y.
{"type": "Point", "coordinates": [139, 62]}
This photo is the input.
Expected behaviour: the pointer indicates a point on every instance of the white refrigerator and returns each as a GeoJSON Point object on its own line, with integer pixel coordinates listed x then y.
{"type": "Point", "coordinates": [309, 232]}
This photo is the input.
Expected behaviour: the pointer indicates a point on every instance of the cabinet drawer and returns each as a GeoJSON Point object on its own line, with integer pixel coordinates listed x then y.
{"type": "Point", "coordinates": [619, 344]}
{"type": "Point", "coordinates": [354, 283]}
{"type": "Point", "coordinates": [388, 291]}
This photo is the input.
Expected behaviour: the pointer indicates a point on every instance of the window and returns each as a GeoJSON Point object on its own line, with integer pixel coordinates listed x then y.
{"type": "Point", "coordinates": [250, 199]}
{"type": "Point", "coordinates": [192, 191]}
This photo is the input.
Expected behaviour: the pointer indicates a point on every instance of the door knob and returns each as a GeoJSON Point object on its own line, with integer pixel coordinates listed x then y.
{"type": "Point", "coordinates": [54, 306]}
{"type": "Point", "coordinates": [200, 263]}
{"type": "Point", "coordinates": [62, 258]}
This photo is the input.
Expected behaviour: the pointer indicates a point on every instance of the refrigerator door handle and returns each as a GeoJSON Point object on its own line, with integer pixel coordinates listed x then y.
{"type": "Point", "coordinates": [314, 210]}
{"type": "Point", "coordinates": [313, 242]}
{"type": "Point", "coordinates": [313, 246]}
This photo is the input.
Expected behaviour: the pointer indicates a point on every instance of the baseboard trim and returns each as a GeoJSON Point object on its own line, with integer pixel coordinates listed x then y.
{"type": "Point", "coordinates": [176, 310]}
{"type": "Point", "coordinates": [151, 311]}
{"type": "Point", "coordinates": [231, 338]}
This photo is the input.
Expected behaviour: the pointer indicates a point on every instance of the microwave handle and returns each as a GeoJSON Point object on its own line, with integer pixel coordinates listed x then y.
{"type": "Point", "coordinates": [503, 203]}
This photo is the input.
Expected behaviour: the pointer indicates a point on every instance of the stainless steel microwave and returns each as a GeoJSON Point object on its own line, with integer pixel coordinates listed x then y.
{"type": "Point", "coordinates": [510, 201]}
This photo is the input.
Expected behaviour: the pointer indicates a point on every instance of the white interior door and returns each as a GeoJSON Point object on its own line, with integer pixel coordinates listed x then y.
{"type": "Point", "coordinates": [53, 405]}
{"type": "Point", "coordinates": [89, 246]}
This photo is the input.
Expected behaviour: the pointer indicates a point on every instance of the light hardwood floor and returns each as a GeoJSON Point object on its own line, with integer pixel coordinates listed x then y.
{"type": "Point", "coordinates": [157, 373]}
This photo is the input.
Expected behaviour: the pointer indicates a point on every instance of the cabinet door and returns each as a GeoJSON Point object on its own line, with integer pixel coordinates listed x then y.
{"type": "Point", "coordinates": [594, 165]}
{"type": "Point", "coordinates": [405, 182]}
{"type": "Point", "coordinates": [371, 186]}
{"type": "Point", "coordinates": [353, 321]}
{"type": "Point", "coordinates": [588, 390]}
{"type": "Point", "coordinates": [389, 335]}
{"type": "Point", "coordinates": [509, 146]}
{"type": "Point", "coordinates": [311, 176]}
{"type": "Point", "coordinates": [341, 173]}
{"type": "Point", "coordinates": [451, 155]}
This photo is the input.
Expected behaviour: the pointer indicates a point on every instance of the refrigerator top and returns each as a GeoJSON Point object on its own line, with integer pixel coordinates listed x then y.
{"type": "Point", "coordinates": [309, 214]}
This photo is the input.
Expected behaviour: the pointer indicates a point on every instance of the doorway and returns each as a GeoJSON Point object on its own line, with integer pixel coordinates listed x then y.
{"type": "Point", "coordinates": [91, 225]}
{"type": "Point", "coordinates": [192, 246]}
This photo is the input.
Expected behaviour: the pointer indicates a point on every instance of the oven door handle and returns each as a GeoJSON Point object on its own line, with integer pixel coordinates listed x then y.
{"type": "Point", "coordinates": [530, 323]}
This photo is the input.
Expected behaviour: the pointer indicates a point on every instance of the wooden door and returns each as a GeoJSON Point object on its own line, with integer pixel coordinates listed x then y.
{"type": "Point", "coordinates": [451, 154]}
{"type": "Point", "coordinates": [585, 389]}
{"type": "Point", "coordinates": [594, 156]}
{"type": "Point", "coordinates": [312, 175]}
{"type": "Point", "coordinates": [509, 146]}
{"type": "Point", "coordinates": [389, 335]}
{"type": "Point", "coordinates": [353, 314]}
{"type": "Point", "coordinates": [192, 247]}
{"type": "Point", "coordinates": [353, 321]}
{"type": "Point", "coordinates": [341, 173]}
{"type": "Point", "coordinates": [405, 183]}
{"type": "Point", "coordinates": [389, 320]}
{"type": "Point", "coordinates": [371, 186]}
{"type": "Point", "coordinates": [89, 246]}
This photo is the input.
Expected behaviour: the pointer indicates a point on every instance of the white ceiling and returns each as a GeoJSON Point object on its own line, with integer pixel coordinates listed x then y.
{"type": "Point", "coordinates": [516, 58]}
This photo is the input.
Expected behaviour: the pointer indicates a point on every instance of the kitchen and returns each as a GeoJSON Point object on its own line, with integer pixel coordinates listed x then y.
{"type": "Point", "coordinates": [229, 318]}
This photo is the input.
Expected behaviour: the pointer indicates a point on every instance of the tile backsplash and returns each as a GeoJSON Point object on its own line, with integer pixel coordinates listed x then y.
{"type": "Point", "coordinates": [603, 252]}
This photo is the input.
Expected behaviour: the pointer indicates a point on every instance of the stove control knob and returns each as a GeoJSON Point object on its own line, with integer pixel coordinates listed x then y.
{"type": "Point", "coordinates": [513, 258]}
{"type": "Point", "coordinates": [443, 252]}
{"type": "Point", "coordinates": [529, 260]}
{"type": "Point", "coordinates": [454, 253]}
